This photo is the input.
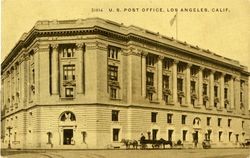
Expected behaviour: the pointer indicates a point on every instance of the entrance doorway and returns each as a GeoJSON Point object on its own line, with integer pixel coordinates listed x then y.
{"type": "Point", "coordinates": [196, 138]}
{"type": "Point", "coordinates": [68, 137]}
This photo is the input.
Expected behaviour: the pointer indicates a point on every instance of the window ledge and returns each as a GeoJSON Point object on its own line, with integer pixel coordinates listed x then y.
{"type": "Point", "coordinates": [197, 106]}
{"type": "Point", "coordinates": [65, 58]}
{"type": "Point", "coordinates": [112, 59]}
{"type": "Point", "coordinates": [169, 104]}
{"type": "Point", "coordinates": [167, 70]}
{"type": "Point", "coordinates": [67, 98]}
{"type": "Point", "coordinates": [154, 101]}
{"type": "Point", "coordinates": [184, 105]}
{"type": "Point", "coordinates": [209, 108]}
{"type": "Point", "coordinates": [115, 99]}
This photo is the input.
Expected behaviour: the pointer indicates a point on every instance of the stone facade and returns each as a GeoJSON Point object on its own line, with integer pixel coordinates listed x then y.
{"type": "Point", "coordinates": [90, 83]}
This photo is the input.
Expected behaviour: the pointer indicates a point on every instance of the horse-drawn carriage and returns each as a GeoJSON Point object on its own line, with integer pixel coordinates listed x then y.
{"type": "Point", "coordinates": [155, 143]}
{"type": "Point", "coordinates": [144, 143]}
{"type": "Point", "coordinates": [246, 143]}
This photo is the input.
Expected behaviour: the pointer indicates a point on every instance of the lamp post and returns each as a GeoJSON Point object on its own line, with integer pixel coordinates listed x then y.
{"type": "Point", "coordinates": [9, 129]}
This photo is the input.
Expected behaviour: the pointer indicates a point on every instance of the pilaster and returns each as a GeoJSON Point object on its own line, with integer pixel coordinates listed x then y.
{"type": "Point", "coordinates": [80, 74]}
{"type": "Point", "coordinates": [55, 68]}
{"type": "Point", "coordinates": [211, 84]}
{"type": "Point", "coordinates": [231, 84]}
{"type": "Point", "coordinates": [143, 56]}
{"type": "Point", "coordinates": [222, 90]}
{"type": "Point", "coordinates": [159, 67]}
{"type": "Point", "coordinates": [200, 86]}
{"type": "Point", "coordinates": [175, 62]}
{"type": "Point", "coordinates": [188, 90]}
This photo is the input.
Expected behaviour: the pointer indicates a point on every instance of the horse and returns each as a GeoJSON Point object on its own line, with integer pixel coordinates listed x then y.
{"type": "Point", "coordinates": [166, 142]}
{"type": "Point", "coordinates": [128, 143]}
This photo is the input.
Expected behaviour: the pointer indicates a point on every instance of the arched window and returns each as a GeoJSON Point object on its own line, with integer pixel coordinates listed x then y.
{"type": "Point", "coordinates": [68, 116]}
{"type": "Point", "coordinates": [196, 121]}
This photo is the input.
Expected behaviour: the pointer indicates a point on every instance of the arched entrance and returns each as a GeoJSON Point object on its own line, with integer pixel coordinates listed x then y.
{"type": "Point", "coordinates": [67, 126]}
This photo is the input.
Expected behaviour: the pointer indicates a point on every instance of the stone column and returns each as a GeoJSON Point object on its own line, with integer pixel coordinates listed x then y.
{"type": "Point", "coordinates": [175, 62]}
{"type": "Point", "coordinates": [80, 75]}
{"type": "Point", "coordinates": [55, 69]}
{"type": "Point", "coordinates": [231, 84]}
{"type": "Point", "coordinates": [200, 86]}
{"type": "Point", "coordinates": [211, 84]}
{"type": "Point", "coordinates": [188, 90]}
{"type": "Point", "coordinates": [144, 54]}
{"type": "Point", "coordinates": [222, 90]}
{"type": "Point", "coordinates": [160, 58]}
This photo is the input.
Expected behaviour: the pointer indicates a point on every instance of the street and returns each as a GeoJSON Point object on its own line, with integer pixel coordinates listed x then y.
{"type": "Point", "coordinates": [173, 153]}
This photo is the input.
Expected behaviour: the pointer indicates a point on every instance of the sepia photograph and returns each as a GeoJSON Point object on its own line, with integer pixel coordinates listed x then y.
{"type": "Point", "coordinates": [129, 78]}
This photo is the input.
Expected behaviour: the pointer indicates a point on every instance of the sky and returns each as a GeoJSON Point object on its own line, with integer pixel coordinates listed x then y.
{"type": "Point", "coordinates": [225, 32]}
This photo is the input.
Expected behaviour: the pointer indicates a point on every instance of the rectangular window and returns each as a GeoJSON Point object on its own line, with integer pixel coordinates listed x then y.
{"type": "Point", "coordinates": [68, 72]}
{"type": "Point", "coordinates": [192, 86]}
{"type": "Point", "coordinates": [183, 119]}
{"type": "Point", "coordinates": [33, 76]}
{"type": "Point", "coordinates": [116, 134]}
{"type": "Point", "coordinates": [220, 135]}
{"type": "Point", "coordinates": [184, 135]}
{"type": "Point", "coordinates": [150, 78]}
{"type": "Point", "coordinates": [180, 100]}
{"type": "Point", "coordinates": [229, 136]}
{"type": "Point", "coordinates": [226, 79]}
{"type": "Point", "coordinates": [165, 98]}
{"type": "Point", "coordinates": [154, 132]}
{"type": "Point", "coordinates": [113, 92]}
{"type": "Point", "coordinates": [215, 104]}
{"type": "Point", "coordinates": [208, 121]}
{"type": "Point", "coordinates": [150, 60]}
{"type": "Point", "coordinates": [225, 93]}
{"type": "Point", "coordinates": [241, 97]}
{"type": "Point", "coordinates": [68, 52]}
{"type": "Point", "coordinates": [167, 64]}
{"type": "Point", "coordinates": [204, 89]}
{"type": "Point", "coordinates": [49, 137]}
{"type": "Point", "coordinates": [193, 102]}
{"type": "Point", "coordinates": [180, 68]}
{"type": "Point", "coordinates": [113, 73]}
{"type": "Point", "coordinates": [165, 82]}
{"type": "Point", "coordinates": [193, 71]}
{"type": "Point", "coordinates": [237, 137]}
{"type": "Point", "coordinates": [229, 123]}
{"type": "Point", "coordinates": [204, 102]}
{"type": "Point", "coordinates": [180, 84]}
{"type": "Point", "coordinates": [170, 134]}
{"type": "Point", "coordinates": [219, 122]}
{"type": "Point", "coordinates": [209, 134]}
{"type": "Point", "coordinates": [15, 136]}
{"type": "Point", "coordinates": [242, 84]}
{"type": "Point", "coordinates": [205, 74]}
{"type": "Point", "coordinates": [69, 92]}
{"type": "Point", "coordinates": [216, 78]}
{"type": "Point", "coordinates": [215, 91]}
{"type": "Point", "coordinates": [153, 116]}
{"type": "Point", "coordinates": [115, 115]}
{"type": "Point", "coordinates": [169, 118]}
{"type": "Point", "coordinates": [113, 52]}
{"type": "Point", "coordinates": [149, 95]}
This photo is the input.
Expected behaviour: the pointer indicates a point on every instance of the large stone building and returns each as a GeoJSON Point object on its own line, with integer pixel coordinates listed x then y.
{"type": "Point", "coordinates": [90, 83]}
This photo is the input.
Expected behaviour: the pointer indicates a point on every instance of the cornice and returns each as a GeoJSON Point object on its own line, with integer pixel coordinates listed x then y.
{"type": "Point", "coordinates": [131, 33]}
